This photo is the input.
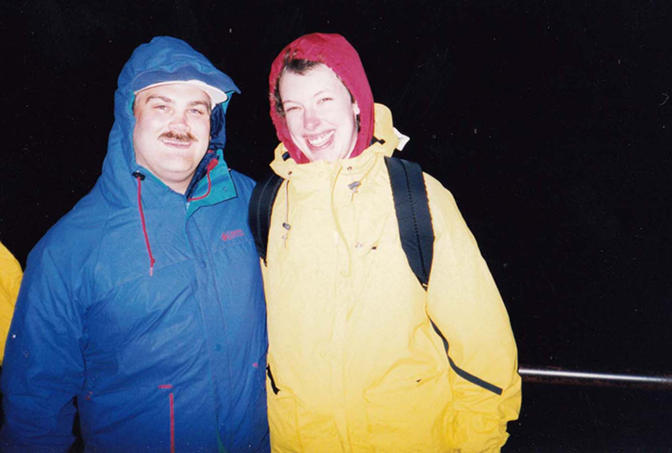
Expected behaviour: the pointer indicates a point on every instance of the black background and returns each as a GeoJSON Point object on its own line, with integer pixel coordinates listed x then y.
{"type": "Point", "coordinates": [549, 121]}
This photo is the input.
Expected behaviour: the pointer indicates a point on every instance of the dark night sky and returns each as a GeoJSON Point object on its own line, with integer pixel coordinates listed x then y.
{"type": "Point", "coordinates": [548, 120]}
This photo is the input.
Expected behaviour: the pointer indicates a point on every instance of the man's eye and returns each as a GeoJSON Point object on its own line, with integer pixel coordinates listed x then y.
{"type": "Point", "coordinates": [197, 112]}
{"type": "Point", "coordinates": [326, 99]}
{"type": "Point", "coordinates": [160, 107]}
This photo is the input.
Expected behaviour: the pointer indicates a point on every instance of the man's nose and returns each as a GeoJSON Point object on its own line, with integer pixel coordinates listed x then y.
{"type": "Point", "coordinates": [179, 122]}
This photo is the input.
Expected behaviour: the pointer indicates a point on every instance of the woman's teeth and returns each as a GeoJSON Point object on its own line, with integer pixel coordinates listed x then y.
{"type": "Point", "coordinates": [320, 140]}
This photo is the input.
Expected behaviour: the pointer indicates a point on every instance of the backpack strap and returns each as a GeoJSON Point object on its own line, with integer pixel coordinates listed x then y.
{"type": "Point", "coordinates": [415, 221]}
{"type": "Point", "coordinates": [261, 208]}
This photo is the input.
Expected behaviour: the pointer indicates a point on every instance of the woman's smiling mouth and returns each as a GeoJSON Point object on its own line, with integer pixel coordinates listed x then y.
{"type": "Point", "coordinates": [320, 141]}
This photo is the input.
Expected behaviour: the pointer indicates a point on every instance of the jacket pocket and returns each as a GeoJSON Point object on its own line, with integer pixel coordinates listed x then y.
{"type": "Point", "coordinates": [145, 417]}
{"type": "Point", "coordinates": [414, 416]}
{"type": "Point", "coordinates": [282, 418]}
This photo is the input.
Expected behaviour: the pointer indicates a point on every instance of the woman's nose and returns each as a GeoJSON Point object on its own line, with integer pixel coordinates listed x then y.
{"type": "Point", "coordinates": [310, 120]}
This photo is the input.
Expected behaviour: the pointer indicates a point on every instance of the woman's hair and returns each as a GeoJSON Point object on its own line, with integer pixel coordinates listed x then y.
{"type": "Point", "coordinates": [296, 66]}
{"type": "Point", "coordinates": [302, 67]}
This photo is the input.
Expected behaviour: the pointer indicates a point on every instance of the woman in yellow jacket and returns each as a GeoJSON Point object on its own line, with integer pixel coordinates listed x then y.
{"type": "Point", "coordinates": [10, 281]}
{"type": "Point", "coordinates": [354, 362]}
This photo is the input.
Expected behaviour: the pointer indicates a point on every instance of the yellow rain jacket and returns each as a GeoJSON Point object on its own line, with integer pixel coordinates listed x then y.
{"type": "Point", "coordinates": [10, 281]}
{"type": "Point", "coordinates": [354, 362]}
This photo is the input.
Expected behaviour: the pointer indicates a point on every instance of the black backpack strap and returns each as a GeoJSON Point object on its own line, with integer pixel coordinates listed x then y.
{"type": "Point", "coordinates": [417, 237]}
{"type": "Point", "coordinates": [415, 221]}
{"type": "Point", "coordinates": [261, 208]}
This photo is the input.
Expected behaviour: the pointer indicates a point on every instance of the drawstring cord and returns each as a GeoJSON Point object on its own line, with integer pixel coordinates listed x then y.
{"type": "Point", "coordinates": [337, 223]}
{"type": "Point", "coordinates": [354, 186]}
{"type": "Point", "coordinates": [212, 164]}
{"type": "Point", "coordinates": [286, 224]}
{"type": "Point", "coordinates": [140, 177]}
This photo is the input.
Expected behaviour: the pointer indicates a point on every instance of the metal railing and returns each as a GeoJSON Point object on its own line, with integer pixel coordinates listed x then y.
{"type": "Point", "coordinates": [561, 376]}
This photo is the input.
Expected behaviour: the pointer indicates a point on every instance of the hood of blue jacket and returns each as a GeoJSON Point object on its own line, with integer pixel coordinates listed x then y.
{"type": "Point", "coordinates": [161, 60]}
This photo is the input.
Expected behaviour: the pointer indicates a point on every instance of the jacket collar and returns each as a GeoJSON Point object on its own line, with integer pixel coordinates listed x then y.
{"type": "Point", "coordinates": [385, 142]}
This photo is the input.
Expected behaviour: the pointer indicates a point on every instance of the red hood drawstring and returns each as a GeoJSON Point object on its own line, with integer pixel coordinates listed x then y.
{"type": "Point", "coordinates": [140, 177]}
{"type": "Point", "coordinates": [212, 164]}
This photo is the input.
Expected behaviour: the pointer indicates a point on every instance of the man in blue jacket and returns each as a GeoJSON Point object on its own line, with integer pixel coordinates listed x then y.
{"type": "Point", "coordinates": [142, 308]}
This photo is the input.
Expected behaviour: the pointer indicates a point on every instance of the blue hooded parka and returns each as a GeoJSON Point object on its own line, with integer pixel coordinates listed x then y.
{"type": "Point", "coordinates": [153, 329]}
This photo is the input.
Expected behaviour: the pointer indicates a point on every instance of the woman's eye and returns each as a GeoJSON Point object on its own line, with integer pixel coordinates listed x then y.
{"type": "Point", "coordinates": [291, 108]}
{"type": "Point", "coordinates": [326, 99]}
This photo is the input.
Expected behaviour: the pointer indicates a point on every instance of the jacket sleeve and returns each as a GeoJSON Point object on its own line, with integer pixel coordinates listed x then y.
{"type": "Point", "coordinates": [10, 281]}
{"type": "Point", "coordinates": [43, 369]}
{"type": "Point", "coordinates": [465, 305]}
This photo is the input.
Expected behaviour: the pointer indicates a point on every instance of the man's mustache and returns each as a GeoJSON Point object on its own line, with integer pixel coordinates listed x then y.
{"type": "Point", "coordinates": [186, 137]}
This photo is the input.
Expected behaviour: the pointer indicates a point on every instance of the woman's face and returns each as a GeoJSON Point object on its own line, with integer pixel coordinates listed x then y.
{"type": "Point", "coordinates": [320, 113]}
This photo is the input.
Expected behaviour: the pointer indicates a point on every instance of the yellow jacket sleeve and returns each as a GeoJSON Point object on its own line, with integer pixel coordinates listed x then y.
{"type": "Point", "coordinates": [10, 281]}
{"type": "Point", "coordinates": [465, 305]}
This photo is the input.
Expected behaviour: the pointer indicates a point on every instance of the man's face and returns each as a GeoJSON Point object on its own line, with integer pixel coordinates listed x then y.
{"type": "Point", "coordinates": [320, 113]}
{"type": "Point", "coordinates": [172, 132]}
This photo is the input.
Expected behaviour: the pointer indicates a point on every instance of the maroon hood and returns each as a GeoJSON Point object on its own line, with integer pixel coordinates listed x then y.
{"type": "Point", "coordinates": [335, 52]}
